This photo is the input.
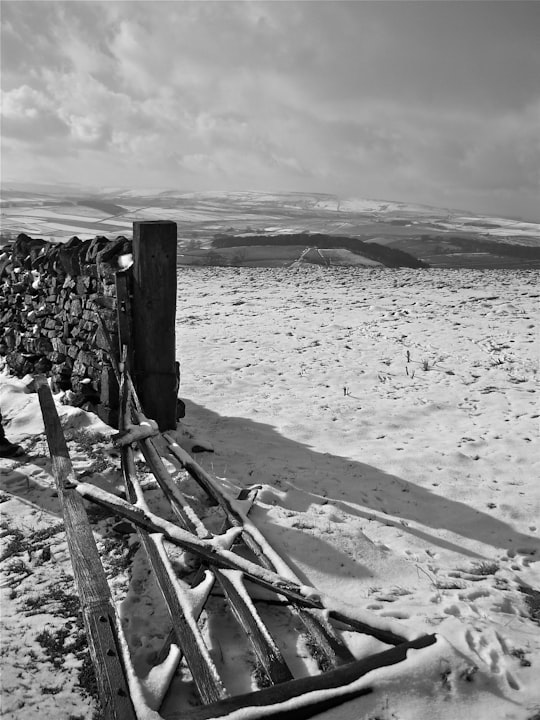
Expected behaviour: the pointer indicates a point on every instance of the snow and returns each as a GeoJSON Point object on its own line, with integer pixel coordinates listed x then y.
{"type": "Point", "coordinates": [390, 419]}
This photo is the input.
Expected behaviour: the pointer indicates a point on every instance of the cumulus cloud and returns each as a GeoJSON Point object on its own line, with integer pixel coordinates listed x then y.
{"type": "Point", "coordinates": [24, 103]}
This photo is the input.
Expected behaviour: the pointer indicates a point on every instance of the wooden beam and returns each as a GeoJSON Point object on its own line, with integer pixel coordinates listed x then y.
{"type": "Point", "coordinates": [154, 318]}
{"type": "Point", "coordinates": [99, 613]}
{"type": "Point", "coordinates": [313, 703]}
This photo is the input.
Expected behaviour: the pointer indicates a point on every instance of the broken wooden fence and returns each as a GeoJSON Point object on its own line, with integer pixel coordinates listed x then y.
{"type": "Point", "coordinates": [228, 566]}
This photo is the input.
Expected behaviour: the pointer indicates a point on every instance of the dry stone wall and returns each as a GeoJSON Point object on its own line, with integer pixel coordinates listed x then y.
{"type": "Point", "coordinates": [51, 297]}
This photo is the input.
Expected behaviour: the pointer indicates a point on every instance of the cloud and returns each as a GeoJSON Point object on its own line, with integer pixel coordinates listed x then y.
{"type": "Point", "coordinates": [24, 103]}
{"type": "Point", "coordinates": [431, 100]}
{"type": "Point", "coordinates": [29, 115]}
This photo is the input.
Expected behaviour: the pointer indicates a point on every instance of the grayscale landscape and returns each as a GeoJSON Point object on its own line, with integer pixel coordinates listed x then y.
{"type": "Point", "coordinates": [355, 187]}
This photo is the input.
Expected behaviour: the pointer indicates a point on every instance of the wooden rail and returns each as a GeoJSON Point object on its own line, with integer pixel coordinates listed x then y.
{"type": "Point", "coordinates": [99, 614]}
{"type": "Point", "coordinates": [271, 698]}
{"type": "Point", "coordinates": [228, 568]}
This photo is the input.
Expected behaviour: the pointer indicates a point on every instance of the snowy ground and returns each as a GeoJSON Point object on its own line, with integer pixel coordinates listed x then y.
{"type": "Point", "coordinates": [392, 419]}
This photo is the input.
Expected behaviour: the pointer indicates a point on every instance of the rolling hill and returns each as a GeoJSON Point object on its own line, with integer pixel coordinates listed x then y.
{"type": "Point", "coordinates": [437, 237]}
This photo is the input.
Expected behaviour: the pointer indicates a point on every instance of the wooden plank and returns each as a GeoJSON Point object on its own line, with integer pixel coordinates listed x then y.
{"type": "Point", "coordinates": [265, 647]}
{"type": "Point", "coordinates": [98, 611]}
{"type": "Point", "coordinates": [185, 514]}
{"type": "Point", "coordinates": [338, 679]}
{"type": "Point", "coordinates": [154, 317]}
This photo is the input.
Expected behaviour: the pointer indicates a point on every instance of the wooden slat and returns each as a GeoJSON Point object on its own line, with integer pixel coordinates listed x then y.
{"type": "Point", "coordinates": [311, 704]}
{"type": "Point", "coordinates": [98, 611]}
{"type": "Point", "coordinates": [265, 647]}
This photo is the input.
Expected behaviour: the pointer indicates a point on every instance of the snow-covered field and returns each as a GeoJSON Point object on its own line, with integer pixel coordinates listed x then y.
{"type": "Point", "coordinates": [392, 420]}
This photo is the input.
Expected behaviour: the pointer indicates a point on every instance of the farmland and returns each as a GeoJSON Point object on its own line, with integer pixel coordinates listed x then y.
{"type": "Point", "coordinates": [437, 236]}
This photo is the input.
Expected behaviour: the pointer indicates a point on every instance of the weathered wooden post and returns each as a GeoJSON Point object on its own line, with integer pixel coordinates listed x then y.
{"type": "Point", "coordinates": [154, 316]}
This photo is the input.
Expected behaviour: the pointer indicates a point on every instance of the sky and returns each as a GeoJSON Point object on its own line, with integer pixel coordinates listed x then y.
{"type": "Point", "coordinates": [435, 101]}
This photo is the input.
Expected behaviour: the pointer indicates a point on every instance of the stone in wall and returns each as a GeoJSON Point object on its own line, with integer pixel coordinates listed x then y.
{"type": "Point", "coordinates": [53, 297]}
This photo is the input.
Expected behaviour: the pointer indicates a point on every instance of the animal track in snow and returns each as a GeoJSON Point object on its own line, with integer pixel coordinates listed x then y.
{"type": "Point", "coordinates": [492, 652]}
{"type": "Point", "coordinates": [452, 610]}
{"type": "Point", "coordinates": [474, 595]}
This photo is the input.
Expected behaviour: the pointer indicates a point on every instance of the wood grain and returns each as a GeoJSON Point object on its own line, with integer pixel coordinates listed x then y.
{"type": "Point", "coordinates": [340, 677]}
{"type": "Point", "coordinates": [154, 319]}
{"type": "Point", "coordinates": [98, 611]}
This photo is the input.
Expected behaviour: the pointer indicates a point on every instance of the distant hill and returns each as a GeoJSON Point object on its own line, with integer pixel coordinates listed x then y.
{"type": "Point", "coordinates": [438, 237]}
{"type": "Point", "coordinates": [465, 251]}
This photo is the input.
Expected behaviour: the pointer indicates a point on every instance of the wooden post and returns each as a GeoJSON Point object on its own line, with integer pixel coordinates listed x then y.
{"type": "Point", "coordinates": [154, 317]}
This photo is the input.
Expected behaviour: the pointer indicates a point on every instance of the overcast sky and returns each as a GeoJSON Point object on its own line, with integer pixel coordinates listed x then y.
{"type": "Point", "coordinates": [435, 101]}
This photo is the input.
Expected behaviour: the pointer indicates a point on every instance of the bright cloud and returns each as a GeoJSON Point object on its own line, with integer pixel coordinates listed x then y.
{"type": "Point", "coordinates": [431, 102]}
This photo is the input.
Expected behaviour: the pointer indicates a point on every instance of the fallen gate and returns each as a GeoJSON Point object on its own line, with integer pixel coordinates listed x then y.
{"type": "Point", "coordinates": [235, 560]}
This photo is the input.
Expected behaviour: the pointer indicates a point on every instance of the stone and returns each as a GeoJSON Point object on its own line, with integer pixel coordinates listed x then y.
{"type": "Point", "coordinates": [51, 300]}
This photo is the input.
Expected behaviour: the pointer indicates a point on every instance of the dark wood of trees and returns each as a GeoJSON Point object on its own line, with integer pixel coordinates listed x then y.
{"type": "Point", "coordinates": [389, 256]}
{"type": "Point", "coordinates": [154, 316]}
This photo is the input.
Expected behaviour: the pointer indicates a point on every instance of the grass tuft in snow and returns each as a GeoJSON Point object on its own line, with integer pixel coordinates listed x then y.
{"type": "Point", "coordinates": [16, 543]}
{"type": "Point", "coordinates": [20, 543]}
{"type": "Point", "coordinates": [56, 599]}
{"type": "Point", "coordinates": [532, 600]}
{"type": "Point", "coordinates": [519, 653]}
{"type": "Point", "coordinates": [483, 569]}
